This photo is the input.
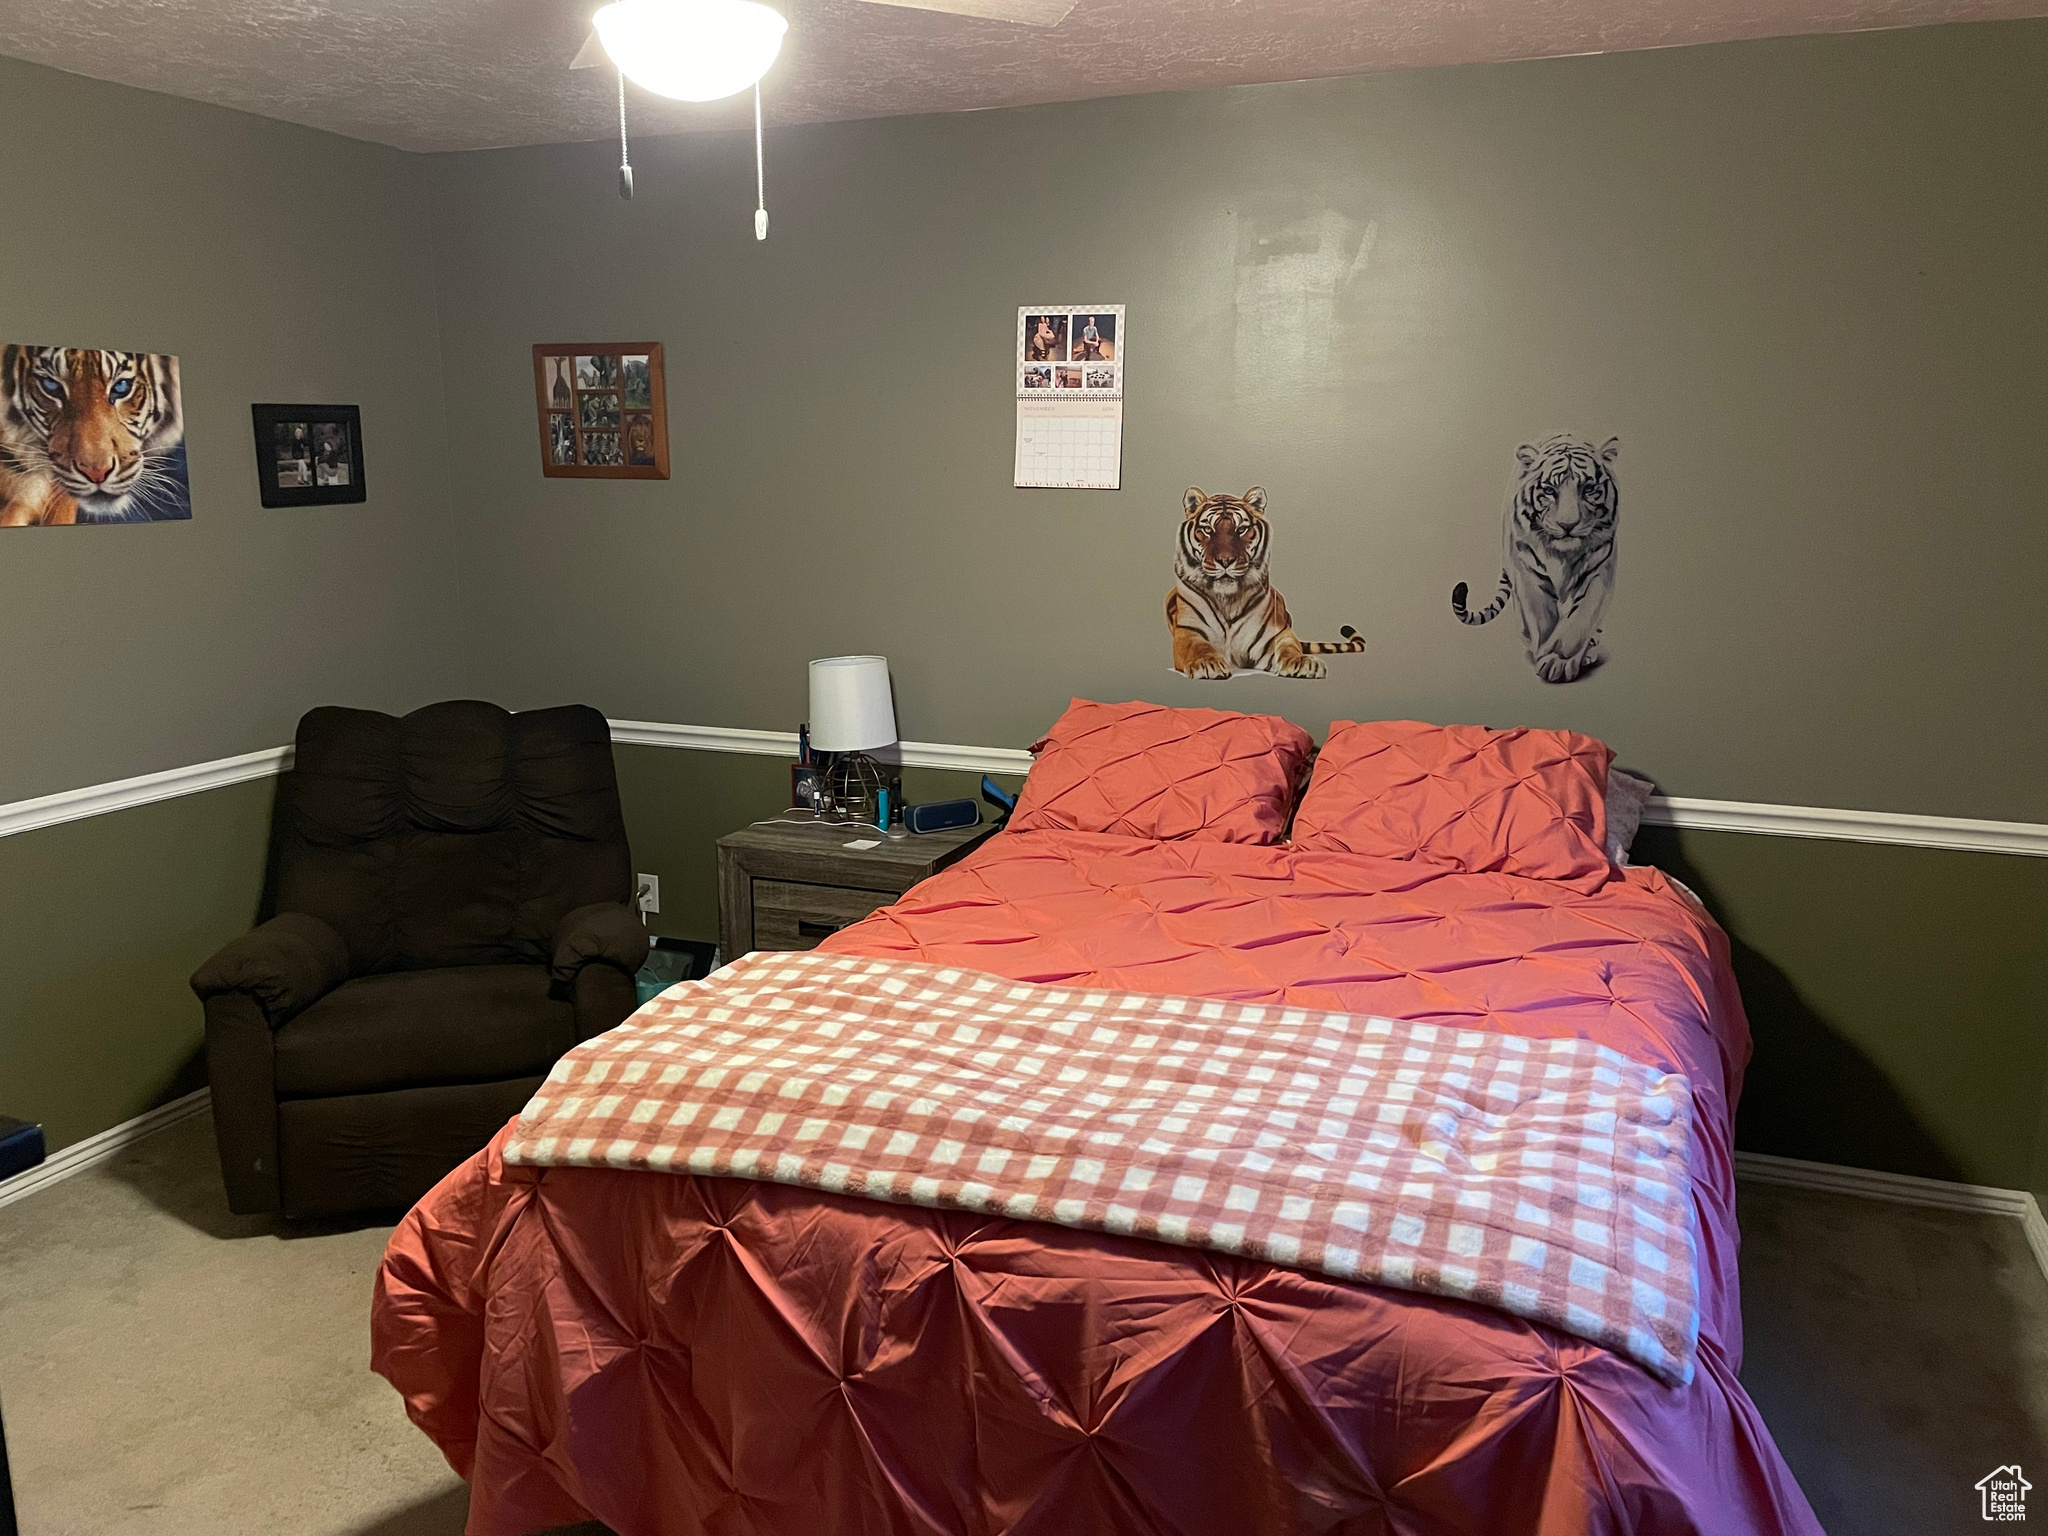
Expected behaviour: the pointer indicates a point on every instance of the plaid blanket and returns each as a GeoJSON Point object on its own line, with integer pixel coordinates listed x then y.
{"type": "Point", "coordinates": [1543, 1177]}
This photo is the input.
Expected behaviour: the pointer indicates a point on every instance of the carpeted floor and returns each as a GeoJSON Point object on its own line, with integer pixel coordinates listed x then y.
{"type": "Point", "coordinates": [171, 1370]}
{"type": "Point", "coordinates": [1898, 1353]}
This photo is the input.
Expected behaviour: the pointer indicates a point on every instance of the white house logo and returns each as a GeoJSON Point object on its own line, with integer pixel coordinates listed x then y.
{"type": "Point", "coordinates": [2005, 1494]}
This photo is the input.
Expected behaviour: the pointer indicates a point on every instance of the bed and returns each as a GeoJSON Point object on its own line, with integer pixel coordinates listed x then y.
{"type": "Point", "coordinates": [673, 1352]}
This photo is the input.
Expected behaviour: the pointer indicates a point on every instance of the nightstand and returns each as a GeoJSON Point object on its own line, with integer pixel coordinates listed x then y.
{"type": "Point", "coordinates": [786, 885]}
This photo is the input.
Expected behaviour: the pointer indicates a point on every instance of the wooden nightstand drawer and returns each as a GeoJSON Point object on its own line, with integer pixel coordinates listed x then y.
{"type": "Point", "coordinates": [787, 883]}
{"type": "Point", "coordinates": [792, 915]}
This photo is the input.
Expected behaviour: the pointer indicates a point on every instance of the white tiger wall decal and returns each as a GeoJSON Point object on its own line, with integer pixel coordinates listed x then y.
{"type": "Point", "coordinates": [1557, 562]}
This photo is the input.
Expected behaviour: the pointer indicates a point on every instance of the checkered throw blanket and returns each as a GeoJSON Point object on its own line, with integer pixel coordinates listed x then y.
{"type": "Point", "coordinates": [1543, 1177]}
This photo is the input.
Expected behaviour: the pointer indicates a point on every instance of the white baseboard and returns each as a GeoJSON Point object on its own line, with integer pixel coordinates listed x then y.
{"type": "Point", "coordinates": [94, 1150]}
{"type": "Point", "coordinates": [1902, 1189]}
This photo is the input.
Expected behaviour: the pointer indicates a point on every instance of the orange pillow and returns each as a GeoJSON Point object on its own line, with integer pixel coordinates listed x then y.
{"type": "Point", "coordinates": [1143, 770]}
{"type": "Point", "coordinates": [1520, 802]}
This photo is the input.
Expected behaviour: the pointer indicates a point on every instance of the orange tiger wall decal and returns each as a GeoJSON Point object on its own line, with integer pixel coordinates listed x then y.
{"type": "Point", "coordinates": [90, 436]}
{"type": "Point", "coordinates": [1223, 612]}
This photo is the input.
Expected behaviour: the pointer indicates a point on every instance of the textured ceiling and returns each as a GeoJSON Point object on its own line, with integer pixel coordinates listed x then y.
{"type": "Point", "coordinates": [467, 74]}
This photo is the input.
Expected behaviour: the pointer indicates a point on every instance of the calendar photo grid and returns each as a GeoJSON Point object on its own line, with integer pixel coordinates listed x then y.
{"type": "Point", "coordinates": [1071, 452]}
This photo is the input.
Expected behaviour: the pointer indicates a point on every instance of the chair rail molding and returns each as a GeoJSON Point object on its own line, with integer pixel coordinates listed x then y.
{"type": "Point", "coordinates": [1684, 812]}
{"type": "Point", "coordinates": [2025, 838]}
{"type": "Point", "coordinates": [2028, 838]}
{"type": "Point", "coordinates": [911, 754]}
{"type": "Point", "coordinates": [144, 789]}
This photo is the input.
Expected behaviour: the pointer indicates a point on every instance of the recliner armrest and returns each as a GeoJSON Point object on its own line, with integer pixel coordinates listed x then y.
{"type": "Point", "coordinates": [287, 965]}
{"type": "Point", "coordinates": [607, 930]}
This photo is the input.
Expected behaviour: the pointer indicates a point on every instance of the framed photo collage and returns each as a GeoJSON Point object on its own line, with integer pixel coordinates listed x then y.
{"type": "Point", "coordinates": [603, 409]}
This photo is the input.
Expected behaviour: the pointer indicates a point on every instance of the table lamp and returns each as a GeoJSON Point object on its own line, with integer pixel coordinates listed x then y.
{"type": "Point", "coordinates": [852, 714]}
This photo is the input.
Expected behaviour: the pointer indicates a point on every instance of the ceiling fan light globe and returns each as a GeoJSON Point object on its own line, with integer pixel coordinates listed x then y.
{"type": "Point", "coordinates": [691, 50]}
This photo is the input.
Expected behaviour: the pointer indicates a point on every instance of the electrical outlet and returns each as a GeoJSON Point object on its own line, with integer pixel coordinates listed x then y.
{"type": "Point", "coordinates": [649, 887]}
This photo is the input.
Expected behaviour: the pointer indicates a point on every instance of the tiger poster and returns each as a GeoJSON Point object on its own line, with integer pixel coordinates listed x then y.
{"type": "Point", "coordinates": [90, 436]}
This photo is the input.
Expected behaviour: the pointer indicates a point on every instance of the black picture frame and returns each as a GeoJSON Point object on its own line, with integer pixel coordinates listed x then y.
{"type": "Point", "coordinates": [329, 480]}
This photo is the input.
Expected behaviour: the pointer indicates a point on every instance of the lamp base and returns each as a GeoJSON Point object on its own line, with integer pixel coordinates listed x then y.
{"type": "Point", "coordinates": [854, 784]}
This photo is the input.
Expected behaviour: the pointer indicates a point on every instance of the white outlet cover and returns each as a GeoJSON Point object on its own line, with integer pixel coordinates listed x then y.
{"type": "Point", "coordinates": [651, 885]}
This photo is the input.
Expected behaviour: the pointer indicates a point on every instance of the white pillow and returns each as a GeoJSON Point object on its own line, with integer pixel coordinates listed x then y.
{"type": "Point", "coordinates": [1626, 797]}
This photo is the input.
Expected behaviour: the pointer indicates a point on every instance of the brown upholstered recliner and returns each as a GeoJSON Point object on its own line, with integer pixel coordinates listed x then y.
{"type": "Point", "coordinates": [452, 896]}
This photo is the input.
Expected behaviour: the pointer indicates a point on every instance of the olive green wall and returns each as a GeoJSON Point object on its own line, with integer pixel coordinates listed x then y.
{"type": "Point", "coordinates": [1805, 281]}
{"type": "Point", "coordinates": [101, 921]}
{"type": "Point", "coordinates": [1898, 998]}
{"type": "Point", "coordinates": [279, 264]}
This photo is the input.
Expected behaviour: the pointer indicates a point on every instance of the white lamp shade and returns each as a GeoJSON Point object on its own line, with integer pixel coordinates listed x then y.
{"type": "Point", "coordinates": [691, 50]}
{"type": "Point", "coordinates": [852, 709]}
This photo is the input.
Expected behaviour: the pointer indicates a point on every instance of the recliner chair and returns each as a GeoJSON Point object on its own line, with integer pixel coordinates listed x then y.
{"type": "Point", "coordinates": [453, 900]}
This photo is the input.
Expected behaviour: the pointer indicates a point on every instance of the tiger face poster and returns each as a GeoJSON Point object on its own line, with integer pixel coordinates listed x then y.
{"type": "Point", "coordinates": [90, 436]}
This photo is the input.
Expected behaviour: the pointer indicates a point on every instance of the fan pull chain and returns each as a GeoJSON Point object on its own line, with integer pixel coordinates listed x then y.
{"type": "Point", "coordinates": [625, 168]}
{"type": "Point", "coordinates": [760, 174]}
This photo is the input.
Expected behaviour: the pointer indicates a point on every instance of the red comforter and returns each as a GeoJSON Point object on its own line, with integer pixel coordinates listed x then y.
{"type": "Point", "coordinates": [673, 1354]}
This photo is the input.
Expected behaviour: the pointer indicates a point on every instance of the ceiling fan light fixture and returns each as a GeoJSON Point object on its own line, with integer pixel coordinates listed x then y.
{"type": "Point", "coordinates": [691, 50]}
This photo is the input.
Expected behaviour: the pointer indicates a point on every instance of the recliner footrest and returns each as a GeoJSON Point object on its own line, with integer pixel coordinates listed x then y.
{"type": "Point", "coordinates": [375, 1150]}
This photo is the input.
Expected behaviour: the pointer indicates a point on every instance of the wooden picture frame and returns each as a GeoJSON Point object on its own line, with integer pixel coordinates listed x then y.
{"type": "Point", "coordinates": [603, 410]}
{"type": "Point", "coordinates": [309, 455]}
